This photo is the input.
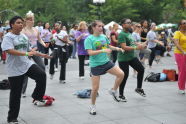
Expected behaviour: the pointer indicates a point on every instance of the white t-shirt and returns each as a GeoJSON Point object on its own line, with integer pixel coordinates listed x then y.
{"type": "Point", "coordinates": [61, 35]}
{"type": "Point", "coordinates": [39, 28]}
{"type": "Point", "coordinates": [16, 65]}
{"type": "Point", "coordinates": [151, 35]}
{"type": "Point", "coordinates": [136, 37]}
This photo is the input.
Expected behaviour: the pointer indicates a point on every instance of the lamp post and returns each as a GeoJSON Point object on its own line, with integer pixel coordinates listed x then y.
{"type": "Point", "coordinates": [99, 3]}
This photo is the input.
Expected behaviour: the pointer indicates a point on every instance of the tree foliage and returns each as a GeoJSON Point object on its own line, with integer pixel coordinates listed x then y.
{"type": "Point", "coordinates": [73, 11]}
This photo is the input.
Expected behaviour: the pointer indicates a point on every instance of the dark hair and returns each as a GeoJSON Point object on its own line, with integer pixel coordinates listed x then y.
{"type": "Point", "coordinates": [14, 19]}
{"type": "Point", "coordinates": [74, 25]}
{"type": "Point", "coordinates": [44, 25]}
{"type": "Point", "coordinates": [123, 20]}
{"type": "Point", "coordinates": [142, 21]}
{"type": "Point", "coordinates": [93, 24]}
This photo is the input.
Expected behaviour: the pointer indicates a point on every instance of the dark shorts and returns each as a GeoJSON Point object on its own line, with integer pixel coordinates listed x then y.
{"type": "Point", "coordinates": [101, 69]}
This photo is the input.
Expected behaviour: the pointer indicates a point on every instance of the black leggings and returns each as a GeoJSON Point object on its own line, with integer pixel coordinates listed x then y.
{"type": "Point", "coordinates": [114, 56]}
{"type": "Point", "coordinates": [153, 53]}
{"type": "Point", "coordinates": [81, 64]}
{"type": "Point", "coordinates": [135, 64]}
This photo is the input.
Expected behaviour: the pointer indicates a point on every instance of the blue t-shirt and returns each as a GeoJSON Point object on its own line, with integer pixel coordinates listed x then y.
{"type": "Point", "coordinates": [97, 43]}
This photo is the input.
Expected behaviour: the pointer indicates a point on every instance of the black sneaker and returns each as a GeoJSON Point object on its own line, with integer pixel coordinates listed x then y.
{"type": "Point", "coordinates": [140, 92]}
{"type": "Point", "coordinates": [15, 121]}
{"type": "Point", "coordinates": [122, 99]}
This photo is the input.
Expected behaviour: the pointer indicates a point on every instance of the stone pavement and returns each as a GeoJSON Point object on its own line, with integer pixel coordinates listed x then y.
{"type": "Point", "coordinates": [163, 104]}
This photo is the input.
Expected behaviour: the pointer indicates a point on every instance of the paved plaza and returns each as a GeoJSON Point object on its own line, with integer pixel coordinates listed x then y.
{"type": "Point", "coordinates": [163, 104]}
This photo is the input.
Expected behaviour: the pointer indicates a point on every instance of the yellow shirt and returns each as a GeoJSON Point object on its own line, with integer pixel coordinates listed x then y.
{"type": "Point", "coordinates": [181, 41]}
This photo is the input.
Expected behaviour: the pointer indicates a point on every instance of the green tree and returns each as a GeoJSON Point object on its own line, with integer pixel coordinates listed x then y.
{"type": "Point", "coordinates": [7, 9]}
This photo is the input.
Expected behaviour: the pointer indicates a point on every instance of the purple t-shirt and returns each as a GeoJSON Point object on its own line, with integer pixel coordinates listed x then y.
{"type": "Point", "coordinates": [81, 49]}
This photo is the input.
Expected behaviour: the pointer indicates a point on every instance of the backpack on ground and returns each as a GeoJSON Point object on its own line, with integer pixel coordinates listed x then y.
{"type": "Point", "coordinates": [85, 93]}
{"type": "Point", "coordinates": [4, 84]}
{"type": "Point", "coordinates": [156, 77]}
{"type": "Point", "coordinates": [171, 74]}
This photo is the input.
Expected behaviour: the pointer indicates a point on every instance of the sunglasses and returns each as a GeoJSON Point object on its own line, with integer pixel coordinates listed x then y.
{"type": "Point", "coordinates": [128, 23]}
{"type": "Point", "coordinates": [184, 23]}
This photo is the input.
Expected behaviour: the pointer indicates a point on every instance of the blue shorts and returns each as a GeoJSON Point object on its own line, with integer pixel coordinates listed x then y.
{"type": "Point", "coordinates": [101, 69]}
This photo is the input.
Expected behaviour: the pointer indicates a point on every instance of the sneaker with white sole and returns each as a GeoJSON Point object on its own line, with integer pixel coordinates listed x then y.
{"type": "Point", "coordinates": [181, 91]}
{"type": "Point", "coordinates": [39, 103]}
{"type": "Point", "coordinates": [13, 122]}
{"type": "Point", "coordinates": [122, 99]}
{"type": "Point", "coordinates": [62, 81]}
{"type": "Point", "coordinates": [113, 93]}
{"type": "Point", "coordinates": [140, 92]}
{"type": "Point", "coordinates": [82, 77]}
{"type": "Point", "coordinates": [93, 110]}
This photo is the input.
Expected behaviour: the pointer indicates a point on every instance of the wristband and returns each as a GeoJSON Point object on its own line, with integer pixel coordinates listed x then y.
{"type": "Point", "coordinates": [26, 54]}
{"type": "Point", "coordinates": [134, 47]}
{"type": "Point", "coordinates": [103, 50]}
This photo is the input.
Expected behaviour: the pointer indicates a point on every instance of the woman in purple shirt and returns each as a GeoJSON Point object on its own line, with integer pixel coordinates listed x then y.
{"type": "Point", "coordinates": [80, 36]}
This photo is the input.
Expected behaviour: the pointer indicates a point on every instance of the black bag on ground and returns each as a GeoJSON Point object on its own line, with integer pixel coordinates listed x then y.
{"type": "Point", "coordinates": [153, 77]}
{"type": "Point", "coordinates": [4, 84]}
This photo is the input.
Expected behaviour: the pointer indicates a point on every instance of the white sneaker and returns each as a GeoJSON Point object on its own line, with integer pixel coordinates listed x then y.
{"type": "Point", "coordinates": [39, 103]}
{"type": "Point", "coordinates": [51, 76]}
{"type": "Point", "coordinates": [93, 109]}
{"type": "Point", "coordinates": [181, 91]}
{"type": "Point", "coordinates": [62, 81]}
{"type": "Point", "coordinates": [113, 93]}
{"type": "Point", "coordinates": [82, 77]}
{"type": "Point", "coordinates": [55, 69]}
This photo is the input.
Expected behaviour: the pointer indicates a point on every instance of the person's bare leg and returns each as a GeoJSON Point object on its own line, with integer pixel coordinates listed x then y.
{"type": "Point", "coordinates": [119, 76]}
{"type": "Point", "coordinates": [95, 88]}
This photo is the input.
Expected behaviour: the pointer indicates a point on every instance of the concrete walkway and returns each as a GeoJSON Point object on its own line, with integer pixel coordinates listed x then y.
{"type": "Point", "coordinates": [163, 104]}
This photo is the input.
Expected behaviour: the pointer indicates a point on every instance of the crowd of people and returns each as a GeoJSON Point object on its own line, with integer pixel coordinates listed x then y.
{"type": "Point", "coordinates": [136, 45]}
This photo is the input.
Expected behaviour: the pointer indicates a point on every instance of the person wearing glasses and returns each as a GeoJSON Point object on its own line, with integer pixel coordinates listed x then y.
{"type": "Point", "coordinates": [180, 55]}
{"type": "Point", "coordinates": [128, 58]}
{"type": "Point", "coordinates": [138, 40]}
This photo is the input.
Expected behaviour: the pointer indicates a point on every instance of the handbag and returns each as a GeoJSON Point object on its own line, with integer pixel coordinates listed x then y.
{"type": "Point", "coordinates": [171, 74]}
